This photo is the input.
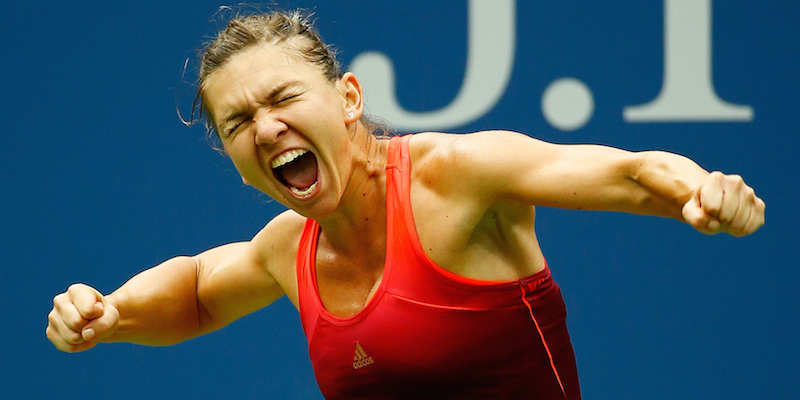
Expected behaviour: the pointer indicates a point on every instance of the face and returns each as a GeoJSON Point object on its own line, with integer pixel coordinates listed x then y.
{"type": "Point", "coordinates": [285, 126]}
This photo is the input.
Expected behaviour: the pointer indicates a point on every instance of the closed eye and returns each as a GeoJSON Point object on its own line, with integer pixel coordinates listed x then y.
{"type": "Point", "coordinates": [287, 98]}
{"type": "Point", "coordinates": [233, 129]}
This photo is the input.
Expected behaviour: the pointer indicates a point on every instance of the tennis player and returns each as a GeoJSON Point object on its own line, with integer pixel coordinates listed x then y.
{"type": "Point", "coordinates": [412, 260]}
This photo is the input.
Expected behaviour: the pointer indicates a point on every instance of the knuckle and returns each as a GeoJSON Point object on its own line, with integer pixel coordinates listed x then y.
{"type": "Point", "coordinates": [693, 218]}
{"type": "Point", "coordinates": [59, 299]}
{"type": "Point", "coordinates": [753, 225]}
{"type": "Point", "coordinates": [75, 287]}
{"type": "Point", "coordinates": [712, 209]}
{"type": "Point", "coordinates": [64, 335]}
{"type": "Point", "coordinates": [50, 332]}
{"type": "Point", "coordinates": [728, 215]}
{"type": "Point", "coordinates": [75, 323]}
{"type": "Point", "coordinates": [696, 223]}
{"type": "Point", "coordinates": [57, 341]}
{"type": "Point", "coordinates": [62, 346]}
{"type": "Point", "coordinates": [72, 337]}
{"type": "Point", "coordinates": [81, 347]}
{"type": "Point", "coordinates": [52, 317]}
{"type": "Point", "coordinates": [733, 181]}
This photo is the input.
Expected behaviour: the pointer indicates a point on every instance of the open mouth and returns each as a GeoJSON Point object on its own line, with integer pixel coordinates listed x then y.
{"type": "Point", "coordinates": [297, 170]}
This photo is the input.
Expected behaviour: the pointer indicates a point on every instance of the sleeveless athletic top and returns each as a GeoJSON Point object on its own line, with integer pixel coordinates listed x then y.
{"type": "Point", "coordinates": [429, 333]}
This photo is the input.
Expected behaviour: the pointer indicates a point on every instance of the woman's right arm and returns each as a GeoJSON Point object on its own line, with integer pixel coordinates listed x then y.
{"type": "Point", "coordinates": [177, 300]}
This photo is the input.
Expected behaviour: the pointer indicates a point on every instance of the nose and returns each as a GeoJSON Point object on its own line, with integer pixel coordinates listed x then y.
{"type": "Point", "coordinates": [268, 127]}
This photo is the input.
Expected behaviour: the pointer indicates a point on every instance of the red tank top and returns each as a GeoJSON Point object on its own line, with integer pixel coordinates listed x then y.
{"type": "Point", "coordinates": [429, 333]}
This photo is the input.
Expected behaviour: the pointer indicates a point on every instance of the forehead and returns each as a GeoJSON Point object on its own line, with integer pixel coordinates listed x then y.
{"type": "Point", "coordinates": [260, 68]}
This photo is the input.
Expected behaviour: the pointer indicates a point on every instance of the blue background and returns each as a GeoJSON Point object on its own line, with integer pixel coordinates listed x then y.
{"type": "Point", "coordinates": [101, 180]}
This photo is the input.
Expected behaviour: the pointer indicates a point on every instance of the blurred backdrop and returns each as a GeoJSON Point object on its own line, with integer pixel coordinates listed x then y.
{"type": "Point", "coordinates": [100, 180]}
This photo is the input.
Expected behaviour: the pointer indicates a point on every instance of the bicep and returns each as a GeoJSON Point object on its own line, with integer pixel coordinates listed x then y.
{"type": "Point", "coordinates": [515, 167]}
{"type": "Point", "coordinates": [232, 282]}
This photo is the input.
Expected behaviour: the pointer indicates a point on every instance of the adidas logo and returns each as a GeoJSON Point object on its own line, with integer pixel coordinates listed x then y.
{"type": "Point", "coordinates": [361, 359]}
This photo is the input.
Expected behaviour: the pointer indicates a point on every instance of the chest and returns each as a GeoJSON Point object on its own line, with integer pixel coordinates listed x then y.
{"type": "Point", "coordinates": [497, 243]}
{"type": "Point", "coordinates": [346, 284]}
{"type": "Point", "coordinates": [417, 349]}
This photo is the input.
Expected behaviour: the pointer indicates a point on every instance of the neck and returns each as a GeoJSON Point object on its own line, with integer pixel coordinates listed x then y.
{"type": "Point", "coordinates": [358, 225]}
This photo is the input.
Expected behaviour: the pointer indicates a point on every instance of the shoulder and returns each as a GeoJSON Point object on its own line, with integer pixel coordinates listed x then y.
{"type": "Point", "coordinates": [284, 223]}
{"type": "Point", "coordinates": [453, 160]}
{"type": "Point", "coordinates": [275, 246]}
{"type": "Point", "coordinates": [435, 153]}
{"type": "Point", "coordinates": [281, 233]}
{"type": "Point", "coordinates": [464, 147]}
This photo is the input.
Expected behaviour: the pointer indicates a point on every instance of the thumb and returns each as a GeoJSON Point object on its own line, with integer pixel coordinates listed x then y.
{"type": "Point", "coordinates": [87, 300]}
{"type": "Point", "coordinates": [102, 327]}
{"type": "Point", "coordinates": [695, 216]}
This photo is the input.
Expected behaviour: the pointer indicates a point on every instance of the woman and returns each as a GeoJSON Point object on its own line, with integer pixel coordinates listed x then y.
{"type": "Point", "coordinates": [413, 261]}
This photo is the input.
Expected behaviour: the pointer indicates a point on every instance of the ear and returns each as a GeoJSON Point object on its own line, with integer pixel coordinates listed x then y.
{"type": "Point", "coordinates": [350, 89]}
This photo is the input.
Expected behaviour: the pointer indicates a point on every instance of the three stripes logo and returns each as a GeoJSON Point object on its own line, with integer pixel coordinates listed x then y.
{"type": "Point", "coordinates": [361, 359]}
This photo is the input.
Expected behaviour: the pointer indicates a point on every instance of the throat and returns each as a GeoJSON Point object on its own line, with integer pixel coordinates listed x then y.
{"type": "Point", "coordinates": [300, 174]}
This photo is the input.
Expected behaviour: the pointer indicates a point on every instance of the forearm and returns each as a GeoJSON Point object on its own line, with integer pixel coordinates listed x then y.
{"type": "Point", "coordinates": [668, 181]}
{"type": "Point", "coordinates": [158, 306]}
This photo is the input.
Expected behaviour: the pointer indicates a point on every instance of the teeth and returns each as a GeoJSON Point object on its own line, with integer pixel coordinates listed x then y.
{"type": "Point", "coordinates": [287, 157]}
{"type": "Point", "coordinates": [305, 192]}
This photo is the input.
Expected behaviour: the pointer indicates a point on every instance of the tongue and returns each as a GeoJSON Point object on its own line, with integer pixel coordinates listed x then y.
{"type": "Point", "coordinates": [302, 172]}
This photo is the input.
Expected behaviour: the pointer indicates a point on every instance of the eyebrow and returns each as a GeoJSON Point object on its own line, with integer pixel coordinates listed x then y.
{"type": "Point", "coordinates": [269, 98]}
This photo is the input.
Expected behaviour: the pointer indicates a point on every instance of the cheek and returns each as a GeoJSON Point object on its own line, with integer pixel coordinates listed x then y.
{"type": "Point", "coordinates": [242, 157]}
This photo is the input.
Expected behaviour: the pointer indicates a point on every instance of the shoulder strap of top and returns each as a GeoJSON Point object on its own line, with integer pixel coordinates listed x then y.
{"type": "Point", "coordinates": [306, 288]}
{"type": "Point", "coordinates": [397, 156]}
{"type": "Point", "coordinates": [398, 173]}
{"type": "Point", "coordinates": [402, 242]}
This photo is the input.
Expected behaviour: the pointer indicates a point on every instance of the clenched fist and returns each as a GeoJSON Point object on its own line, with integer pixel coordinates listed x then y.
{"type": "Point", "coordinates": [724, 203]}
{"type": "Point", "coordinates": [80, 318]}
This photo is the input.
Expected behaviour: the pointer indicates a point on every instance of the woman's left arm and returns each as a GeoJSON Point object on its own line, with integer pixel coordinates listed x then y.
{"type": "Point", "coordinates": [500, 165]}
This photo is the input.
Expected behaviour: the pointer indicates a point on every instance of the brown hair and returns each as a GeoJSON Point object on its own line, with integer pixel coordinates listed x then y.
{"type": "Point", "coordinates": [293, 29]}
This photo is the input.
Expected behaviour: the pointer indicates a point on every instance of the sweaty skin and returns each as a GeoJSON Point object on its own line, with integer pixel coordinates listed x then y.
{"type": "Point", "coordinates": [473, 198]}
